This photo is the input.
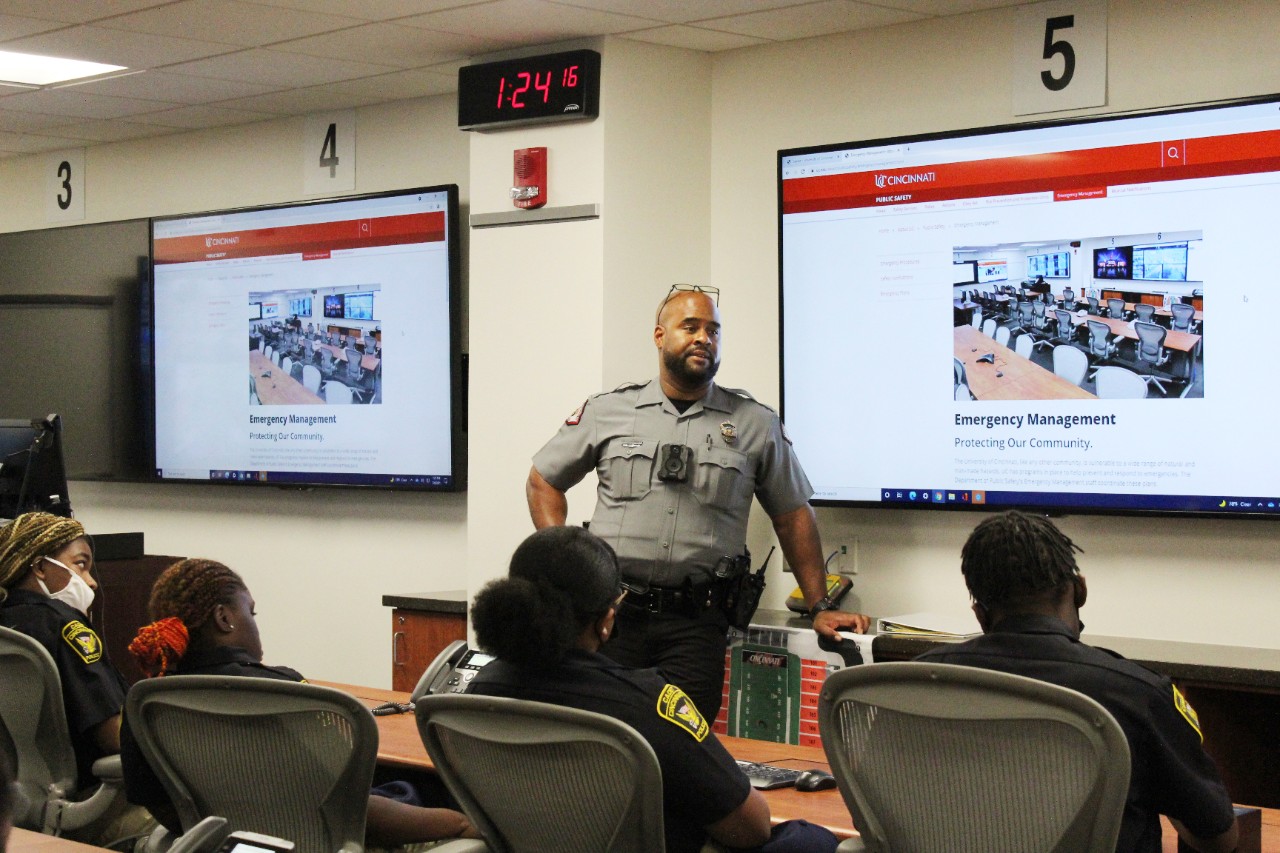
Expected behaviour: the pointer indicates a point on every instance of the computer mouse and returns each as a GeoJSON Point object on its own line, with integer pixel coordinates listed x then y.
{"type": "Point", "coordinates": [815, 780]}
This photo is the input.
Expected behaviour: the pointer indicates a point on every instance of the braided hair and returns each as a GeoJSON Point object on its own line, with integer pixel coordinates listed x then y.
{"type": "Point", "coordinates": [183, 599]}
{"type": "Point", "coordinates": [1014, 558]}
{"type": "Point", "coordinates": [561, 580]}
{"type": "Point", "coordinates": [29, 537]}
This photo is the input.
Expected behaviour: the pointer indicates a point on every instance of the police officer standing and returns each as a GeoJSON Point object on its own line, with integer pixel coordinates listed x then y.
{"type": "Point", "coordinates": [678, 459]}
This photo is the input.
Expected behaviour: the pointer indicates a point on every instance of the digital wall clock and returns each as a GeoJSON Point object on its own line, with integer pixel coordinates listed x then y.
{"type": "Point", "coordinates": [532, 90]}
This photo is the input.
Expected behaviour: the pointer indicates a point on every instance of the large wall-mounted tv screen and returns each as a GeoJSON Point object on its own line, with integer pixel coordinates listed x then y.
{"type": "Point", "coordinates": [1105, 400]}
{"type": "Point", "coordinates": [310, 400]}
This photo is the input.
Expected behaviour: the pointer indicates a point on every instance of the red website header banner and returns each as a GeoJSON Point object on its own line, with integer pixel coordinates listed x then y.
{"type": "Point", "coordinates": [1069, 175]}
{"type": "Point", "coordinates": [312, 241]}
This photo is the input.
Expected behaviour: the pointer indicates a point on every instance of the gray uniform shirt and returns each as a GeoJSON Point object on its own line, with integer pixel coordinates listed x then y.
{"type": "Point", "coordinates": [666, 531]}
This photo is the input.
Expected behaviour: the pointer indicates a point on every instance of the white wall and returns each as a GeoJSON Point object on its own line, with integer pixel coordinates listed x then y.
{"type": "Point", "coordinates": [560, 311]}
{"type": "Point", "coordinates": [1204, 579]}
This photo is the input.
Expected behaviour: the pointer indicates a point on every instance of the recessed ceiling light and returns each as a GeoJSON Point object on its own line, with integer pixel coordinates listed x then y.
{"type": "Point", "coordinates": [32, 70]}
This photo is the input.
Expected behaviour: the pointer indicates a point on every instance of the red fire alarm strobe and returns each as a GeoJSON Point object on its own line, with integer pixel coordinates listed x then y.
{"type": "Point", "coordinates": [530, 182]}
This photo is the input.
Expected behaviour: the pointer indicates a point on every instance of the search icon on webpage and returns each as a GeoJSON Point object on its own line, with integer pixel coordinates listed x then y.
{"type": "Point", "coordinates": [1173, 153]}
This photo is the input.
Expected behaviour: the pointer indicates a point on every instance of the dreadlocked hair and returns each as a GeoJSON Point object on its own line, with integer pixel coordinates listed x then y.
{"type": "Point", "coordinates": [29, 537]}
{"type": "Point", "coordinates": [1013, 557]}
{"type": "Point", "coordinates": [182, 600]}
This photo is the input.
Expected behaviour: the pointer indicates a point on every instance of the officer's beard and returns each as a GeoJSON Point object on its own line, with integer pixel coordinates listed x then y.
{"type": "Point", "coordinates": [678, 368]}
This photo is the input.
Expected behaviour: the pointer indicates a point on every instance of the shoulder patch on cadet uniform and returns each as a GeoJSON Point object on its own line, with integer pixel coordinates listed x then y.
{"type": "Point", "coordinates": [675, 707]}
{"type": "Point", "coordinates": [81, 637]}
{"type": "Point", "coordinates": [576, 417]}
{"type": "Point", "coordinates": [1188, 713]}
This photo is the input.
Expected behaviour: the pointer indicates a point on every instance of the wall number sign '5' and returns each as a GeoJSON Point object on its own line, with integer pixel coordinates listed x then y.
{"type": "Point", "coordinates": [1060, 61]}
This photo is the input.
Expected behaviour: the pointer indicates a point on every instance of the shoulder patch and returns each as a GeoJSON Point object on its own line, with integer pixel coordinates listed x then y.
{"type": "Point", "coordinates": [576, 417]}
{"type": "Point", "coordinates": [81, 637]}
{"type": "Point", "coordinates": [1188, 713]}
{"type": "Point", "coordinates": [677, 708]}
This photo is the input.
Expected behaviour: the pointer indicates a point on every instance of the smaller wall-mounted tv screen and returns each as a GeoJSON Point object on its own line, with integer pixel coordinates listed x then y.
{"type": "Point", "coordinates": [966, 272]}
{"type": "Point", "coordinates": [1052, 265]}
{"type": "Point", "coordinates": [1113, 262]}
{"type": "Point", "coordinates": [300, 307]}
{"type": "Point", "coordinates": [993, 271]}
{"type": "Point", "coordinates": [303, 407]}
{"type": "Point", "coordinates": [359, 306]}
{"type": "Point", "coordinates": [255, 310]}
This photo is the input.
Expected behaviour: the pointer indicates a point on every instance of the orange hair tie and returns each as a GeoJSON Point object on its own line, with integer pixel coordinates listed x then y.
{"type": "Point", "coordinates": [160, 645]}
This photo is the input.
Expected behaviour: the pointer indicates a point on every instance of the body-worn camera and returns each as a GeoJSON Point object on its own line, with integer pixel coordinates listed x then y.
{"type": "Point", "coordinates": [673, 463]}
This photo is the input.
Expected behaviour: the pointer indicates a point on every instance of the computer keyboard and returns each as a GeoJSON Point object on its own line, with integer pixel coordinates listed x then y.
{"type": "Point", "coordinates": [767, 776]}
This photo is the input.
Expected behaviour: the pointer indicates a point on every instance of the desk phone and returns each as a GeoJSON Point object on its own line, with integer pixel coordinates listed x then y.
{"type": "Point", "coordinates": [451, 671]}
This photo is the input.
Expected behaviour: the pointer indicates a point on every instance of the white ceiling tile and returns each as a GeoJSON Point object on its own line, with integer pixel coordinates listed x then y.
{"type": "Point", "coordinates": [378, 10]}
{"type": "Point", "coordinates": [174, 88]}
{"type": "Point", "coordinates": [944, 8]}
{"type": "Point", "coordinates": [30, 143]}
{"type": "Point", "coordinates": [299, 101]}
{"type": "Point", "coordinates": [694, 38]}
{"type": "Point", "coordinates": [22, 121]}
{"type": "Point", "coordinates": [278, 69]}
{"type": "Point", "coordinates": [391, 44]}
{"type": "Point", "coordinates": [204, 115]}
{"type": "Point", "coordinates": [75, 103]}
{"type": "Point", "coordinates": [813, 19]}
{"type": "Point", "coordinates": [107, 130]}
{"type": "Point", "coordinates": [74, 11]}
{"type": "Point", "coordinates": [116, 47]}
{"type": "Point", "coordinates": [400, 85]}
{"type": "Point", "coordinates": [14, 26]}
{"type": "Point", "coordinates": [528, 21]}
{"type": "Point", "coordinates": [682, 11]}
{"type": "Point", "coordinates": [229, 22]}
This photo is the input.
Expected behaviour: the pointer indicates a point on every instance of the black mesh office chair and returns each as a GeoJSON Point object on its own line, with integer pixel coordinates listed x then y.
{"type": "Point", "coordinates": [1151, 351]}
{"type": "Point", "coordinates": [1144, 312]}
{"type": "Point", "coordinates": [285, 759]}
{"type": "Point", "coordinates": [1066, 332]}
{"type": "Point", "coordinates": [538, 777]}
{"type": "Point", "coordinates": [1183, 317]}
{"type": "Point", "coordinates": [35, 740]}
{"type": "Point", "coordinates": [966, 760]}
{"type": "Point", "coordinates": [1115, 309]}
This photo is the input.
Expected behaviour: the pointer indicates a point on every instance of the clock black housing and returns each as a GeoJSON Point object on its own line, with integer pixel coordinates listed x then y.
{"type": "Point", "coordinates": [531, 90]}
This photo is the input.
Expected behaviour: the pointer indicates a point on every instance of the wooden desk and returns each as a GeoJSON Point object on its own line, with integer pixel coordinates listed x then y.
{"type": "Point", "coordinates": [1022, 378]}
{"type": "Point", "coordinates": [1183, 342]}
{"type": "Point", "coordinates": [1161, 311]}
{"type": "Point", "coordinates": [367, 361]}
{"type": "Point", "coordinates": [27, 841]}
{"type": "Point", "coordinates": [277, 388]}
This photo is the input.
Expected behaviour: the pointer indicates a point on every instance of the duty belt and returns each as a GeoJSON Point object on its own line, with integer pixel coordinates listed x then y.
{"type": "Point", "coordinates": [687, 600]}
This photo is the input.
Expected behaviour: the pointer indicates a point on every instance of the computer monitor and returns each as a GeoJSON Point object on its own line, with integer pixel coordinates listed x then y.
{"type": "Point", "coordinates": [32, 472]}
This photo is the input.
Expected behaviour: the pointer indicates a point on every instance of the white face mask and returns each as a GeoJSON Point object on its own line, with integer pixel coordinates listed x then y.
{"type": "Point", "coordinates": [76, 593]}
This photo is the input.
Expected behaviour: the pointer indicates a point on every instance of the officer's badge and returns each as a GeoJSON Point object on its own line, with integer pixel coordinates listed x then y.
{"type": "Point", "coordinates": [81, 637]}
{"type": "Point", "coordinates": [1188, 713]}
{"type": "Point", "coordinates": [675, 707]}
{"type": "Point", "coordinates": [729, 432]}
{"type": "Point", "coordinates": [576, 417]}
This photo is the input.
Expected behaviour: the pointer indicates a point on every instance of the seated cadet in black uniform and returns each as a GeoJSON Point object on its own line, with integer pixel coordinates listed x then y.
{"type": "Point", "coordinates": [1027, 591]}
{"type": "Point", "coordinates": [206, 625]}
{"type": "Point", "coordinates": [45, 592]}
{"type": "Point", "coordinates": [545, 624]}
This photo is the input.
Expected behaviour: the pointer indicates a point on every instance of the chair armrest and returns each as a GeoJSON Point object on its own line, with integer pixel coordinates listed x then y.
{"type": "Point", "coordinates": [462, 845]}
{"type": "Point", "coordinates": [108, 770]}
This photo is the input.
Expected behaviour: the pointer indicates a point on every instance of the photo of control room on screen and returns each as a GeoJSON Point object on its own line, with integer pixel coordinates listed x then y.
{"type": "Point", "coordinates": [1102, 317]}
